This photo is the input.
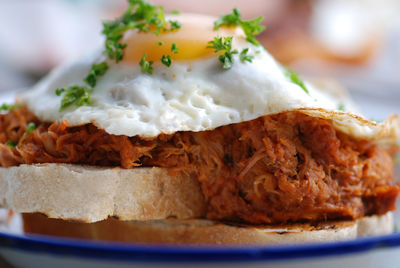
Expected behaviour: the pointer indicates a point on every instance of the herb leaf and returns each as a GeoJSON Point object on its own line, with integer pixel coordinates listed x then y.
{"type": "Point", "coordinates": [166, 60]}
{"type": "Point", "coordinates": [296, 80]}
{"type": "Point", "coordinates": [219, 44]}
{"type": "Point", "coordinates": [30, 127]}
{"type": "Point", "coordinates": [227, 60]}
{"type": "Point", "coordinates": [232, 19]}
{"type": "Point", "coordinates": [244, 57]}
{"type": "Point", "coordinates": [175, 25]}
{"type": "Point", "coordinates": [147, 66]}
{"type": "Point", "coordinates": [141, 16]}
{"type": "Point", "coordinates": [341, 107]}
{"type": "Point", "coordinates": [174, 48]}
{"type": "Point", "coordinates": [251, 28]}
{"type": "Point", "coordinates": [225, 45]}
{"type": "Point", "coordinates": [12, 144]}
{"type": "Point", "coordinates": [97, 70]}
{"type": "Point", "coordinates": [78, 95]}
{"type": "Point", "coordinates": [7, 107]}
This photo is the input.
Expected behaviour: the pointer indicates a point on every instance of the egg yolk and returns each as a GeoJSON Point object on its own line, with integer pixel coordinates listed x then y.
{"type": "Point", "coordinates": [191, 39]}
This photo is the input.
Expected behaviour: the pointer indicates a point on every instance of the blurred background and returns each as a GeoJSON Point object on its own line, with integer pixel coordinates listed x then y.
{"type": "Point", "coordinates": [356, 42]}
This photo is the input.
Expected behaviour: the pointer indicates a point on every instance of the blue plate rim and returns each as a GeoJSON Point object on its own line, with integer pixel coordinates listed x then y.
{"type": "Point", "coordinates": [155, 253]}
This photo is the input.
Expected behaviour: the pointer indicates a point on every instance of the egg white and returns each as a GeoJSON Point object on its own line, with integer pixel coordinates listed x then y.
{"type": "Point", "coordinates": [191, 95]}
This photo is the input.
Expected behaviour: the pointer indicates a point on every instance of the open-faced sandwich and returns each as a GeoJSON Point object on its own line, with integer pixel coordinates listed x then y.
{"type": "Point", "coordinates": [183, 129]}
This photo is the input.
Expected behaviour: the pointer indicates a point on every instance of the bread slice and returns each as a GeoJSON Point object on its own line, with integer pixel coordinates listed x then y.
{"type": "Point", "coordinates": [145, 200]}
{"type": "Point", "coordinates": [90, 194]}
{"type": "Point", "coordinates": [199, 232]}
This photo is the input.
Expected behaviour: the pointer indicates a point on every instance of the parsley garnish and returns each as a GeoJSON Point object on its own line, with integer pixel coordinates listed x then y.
{"type": "Point", "coordinates": [30, 127]}
{"type": "Point", "coordinates": [141, 16]}
{"type": "Point", "coordinates": [341, 107]}
{"type": "Point", "coordinates": [12, 144]}
{"type": "Point", "coordinates": [174, 48]}
{"type": "Point", "coordinates": [78, 95]}
{"type": "Point", "coordinates": [232, 19]}
{"type": "Point", "coordinates": [225, 46]}
{"type": "Point", "coordinates": [7, 107]}
{"type": "Point", "coordinates": [251, 28]}
{"type": "Point", "coordinates": [175, 25]}
{"type": "Point", "coordinates": [147, 66]}
{"type": "Point", "coordinates": [244, 57]}
{"type": "Point", "coordinates": [97, 70]}
{"type": "Point", "coordinates": [220, 45]}
{"type": "Point", "coordinates": [296, 80]}
{"type": "Point", "coordinates": [160, 43]}
{"type": "Point", "coordinates": [166, 60]}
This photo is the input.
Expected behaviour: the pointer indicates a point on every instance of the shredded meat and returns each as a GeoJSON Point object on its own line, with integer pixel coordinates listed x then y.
{"type": "Point", "coordinates": [274, 169]}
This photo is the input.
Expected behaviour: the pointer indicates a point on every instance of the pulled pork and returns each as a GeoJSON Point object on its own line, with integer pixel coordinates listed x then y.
{"type": "Point", "coordinates": [279, 168]}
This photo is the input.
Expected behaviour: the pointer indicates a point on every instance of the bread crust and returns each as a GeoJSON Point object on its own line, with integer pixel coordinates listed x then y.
{"type": "Point", "coordinates": [198, 232]}
{"type": "Point", "coordinates": [90, 194]}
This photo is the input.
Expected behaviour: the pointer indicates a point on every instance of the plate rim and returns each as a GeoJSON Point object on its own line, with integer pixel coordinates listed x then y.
{"type": "Point", "coordinates": [156, 253]}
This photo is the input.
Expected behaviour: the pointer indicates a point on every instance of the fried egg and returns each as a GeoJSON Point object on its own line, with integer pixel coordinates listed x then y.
{"type": "Point", "coordinates": [195, 93]}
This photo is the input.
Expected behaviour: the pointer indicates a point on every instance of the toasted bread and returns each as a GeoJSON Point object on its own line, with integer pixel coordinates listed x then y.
{"type": "Point", "coordinates": [200, 231]}
{"type": "Point", "coordinates": [90, 194]}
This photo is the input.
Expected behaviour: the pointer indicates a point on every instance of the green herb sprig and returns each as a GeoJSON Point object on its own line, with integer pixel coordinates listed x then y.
{"type": "Point", "coordinates": [175, 25]}
{"type": "Point", "coordinates": [141, 16]}
{"type": "Point", "coordinates": [96, 71]}
{"type": "Point", "coordinates": [9, 107]}
{"type": "Point", "coordinates": [11, 144]}
{"type": "Point", "coordinates": [30, 127]}
{"type": "Point", "coordinates": [251, 28]}
{"type": "Point", "coordinates": [220, 44]}
{"type": "Point", "coordinates": [174, 48]}
{"type": "Point", "coordinates": [244, 57]}
{"type": "Point", "coordinates": [147, 66]}
{"type": "Point", "coordinates": [175, 12]}
{"type": "Point", "coordinates": [294, 78]}
{"type": "Point", "coordinates": [78, 95]}
{"type": "Point", "coordinates": [166, 60]}
{"type": "Point", "coordinates": [341, 107]}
